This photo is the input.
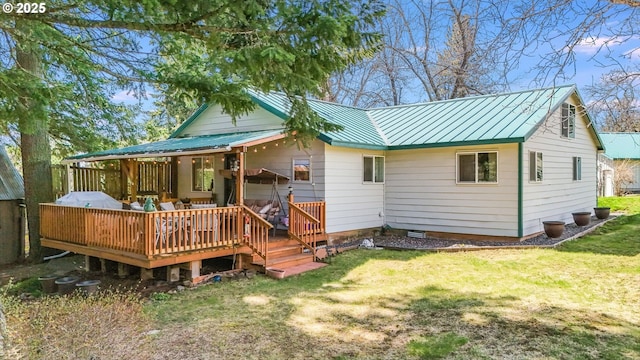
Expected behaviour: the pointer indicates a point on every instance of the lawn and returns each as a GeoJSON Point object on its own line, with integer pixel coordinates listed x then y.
{"type": "Point", "coordinates": [580, 301]}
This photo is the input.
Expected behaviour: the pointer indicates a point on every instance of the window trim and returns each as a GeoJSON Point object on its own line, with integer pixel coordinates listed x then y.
{"type": "Point", "coordinates": [570, 119]}
{"type": "Point", "coordinates": [203, 161]}
{"type": "Point", "coordinates": [577, 168]}
{"type": "Point", "coordinates": [293, 170]}
{"type": "Point", "coordinates": [373, 175]}
{"type": "Point", "coordinates": [476, 182]}
{"type": "Point", "coordinates": [533, 167]}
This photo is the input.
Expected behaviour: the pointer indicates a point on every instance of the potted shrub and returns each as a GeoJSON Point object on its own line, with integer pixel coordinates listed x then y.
{"type": "Point", "coordinates": [602, 212]}
{"type": "Point", "coordinates": [553, 229]}
{"type": "Point", "coordinates": [582, 218]}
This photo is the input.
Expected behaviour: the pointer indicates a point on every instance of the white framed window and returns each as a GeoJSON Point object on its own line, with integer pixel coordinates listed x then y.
{"type": "Point", "coordinates": [302, 170]}
{"type": "Point", "coordinates": [568, 129]}
{"type": "Point", "coordinates": [535, 166]}
{"type": "Point", "coordinates": [202, 173]}
{"type": "Point", "coordinates": [372, 169]}
{"type": "Point", "coordinates": [577, 168]}
{"type": "Point", "coordinates": [477, 167]}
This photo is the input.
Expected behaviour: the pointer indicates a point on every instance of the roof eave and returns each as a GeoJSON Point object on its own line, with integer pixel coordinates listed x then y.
{"type": "Point", "coordinates": [458, 143]}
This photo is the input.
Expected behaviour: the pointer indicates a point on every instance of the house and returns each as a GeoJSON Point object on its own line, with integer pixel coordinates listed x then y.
{"type": "Point", "coordinates": [624, 149]}
{"type": "Point", "coordinates": [493, 166]}
{"type": "Point", "coordinates": [12, 211]}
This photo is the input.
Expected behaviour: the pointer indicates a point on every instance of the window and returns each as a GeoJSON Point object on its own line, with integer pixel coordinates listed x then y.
{"type": "Point", "coordinates": [301, 169]}
{"type": "Point", "coordinates": [577, 168]}
{"type": "Point", "coordinates": [202, 173]}
{"type": "Point", "coordinates": [479, 167]}
{"type": "Point", "coordinates": [373, 169]}
{"type": "Point", "coordinates": [568, 121]}
{"type": "Point", "coordinates": [535, 166]}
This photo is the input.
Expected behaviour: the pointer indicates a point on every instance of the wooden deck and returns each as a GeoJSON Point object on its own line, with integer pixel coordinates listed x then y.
{"type": "Point", "coordinates": [165, 238]}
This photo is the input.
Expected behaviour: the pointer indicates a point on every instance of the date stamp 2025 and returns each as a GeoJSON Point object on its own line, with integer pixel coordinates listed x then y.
{"type": "Point", "coordinates": [24, 8]}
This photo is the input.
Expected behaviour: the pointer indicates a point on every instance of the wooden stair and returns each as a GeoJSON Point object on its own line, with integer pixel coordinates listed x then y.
{"type": "Point", "coordinates": [287, 255]}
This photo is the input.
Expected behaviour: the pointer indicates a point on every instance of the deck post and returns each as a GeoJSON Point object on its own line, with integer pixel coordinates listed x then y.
{"type": "Point", "coordinates": [123, 270]}
{"type": "Point", "coordinates": [193, 269]}
{"type": "Point", "coordinates": [92, 263]}
{"type": "Point", "coordinates": [173, 273]}
{"type": "Point", "coordinates": [146, 274]}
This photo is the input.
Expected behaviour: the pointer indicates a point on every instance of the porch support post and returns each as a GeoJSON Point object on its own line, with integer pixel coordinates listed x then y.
{"type": "Point", "coordinates": [124, 270]}
{"type": "Point", "coordinates": [69, 183]}
{"type": "Point", "coordinates": [193, 269]}
{"type": "Point", "coordinates": [173, 273]}
{"type": "Point", "coordinates": [240, 178]}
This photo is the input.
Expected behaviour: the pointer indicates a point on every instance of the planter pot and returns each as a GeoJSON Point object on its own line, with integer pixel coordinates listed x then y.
{"type": "Point", "coordinates": [553, 229]}
{"type": "Point", "coordinates": [66, 284]}
{"type": "Point", "coordinates": [602, 212]}
{"type": "Point", "coordinates": [48, 283]}
{"type": "Point", "coordinates": [275, 273]}
{"type": "Point", "coordinates": [88, 287]}
{"type": "Point", "coordinates": [582, 218]}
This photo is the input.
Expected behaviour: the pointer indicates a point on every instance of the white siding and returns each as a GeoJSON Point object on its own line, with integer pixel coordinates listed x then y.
{"type": "Point", "coordinates": [421, 193]}
{"type": "Point", "coordinates": [213, 121]}
{"type": "Point", "coordinates": [351, 204]}
{"type": "Point", "coordinates": [558, 195]}
{"type": "Point", "coordinates": [279, 159]}
{"type": "Point", "coordinates": [272, 157]}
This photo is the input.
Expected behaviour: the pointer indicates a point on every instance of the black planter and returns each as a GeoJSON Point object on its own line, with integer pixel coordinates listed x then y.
{"type": "Point", "coordinates": [582, 218]}
{"type": "Point", "coordinates": [602, 212]}
{"type": "Point", "coordinates": [553, 229]}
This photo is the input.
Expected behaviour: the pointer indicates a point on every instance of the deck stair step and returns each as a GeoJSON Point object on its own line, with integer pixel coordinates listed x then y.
{"type": "Point", "coordinates": [286, 261]}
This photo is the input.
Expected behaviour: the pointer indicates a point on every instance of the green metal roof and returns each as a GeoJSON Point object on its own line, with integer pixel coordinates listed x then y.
{"type": "Point", "coordinates": [11, 184]}
{"type": "Point", "coordinates": [358, 129]}
{"type": "Point", "coordinates": [175, 146]}
{"type": "Point", "coordinates": [489, 119]}
{"type": "Point", "coordinates": [621, 145]}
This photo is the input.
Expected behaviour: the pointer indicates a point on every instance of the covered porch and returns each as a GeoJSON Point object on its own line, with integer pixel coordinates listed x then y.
{"type": "Point", "coordinates": [180, 236]}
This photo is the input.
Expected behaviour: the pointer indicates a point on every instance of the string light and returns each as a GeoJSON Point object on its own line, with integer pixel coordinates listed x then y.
{"type": "Point", "coordinates": [255, 149]}
{"type": "Point", "coordinates": [178, 161]}
{"type": "Point", "coordinates": [276, 144]}
{"type": "Point", "coordinates": [264, 147]}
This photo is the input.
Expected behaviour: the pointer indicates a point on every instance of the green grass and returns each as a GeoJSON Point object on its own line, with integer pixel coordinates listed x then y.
{"type": "Point", "coordinates": [628, 204]}
{"type": "Point", "coordinates": [545, 304]}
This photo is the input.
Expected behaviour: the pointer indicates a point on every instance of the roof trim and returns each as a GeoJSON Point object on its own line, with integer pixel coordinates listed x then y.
{"type": "Point", "coordinates": [269, 108]}
{"type": "Point", "coordinates": [147, 155]}
{"type": "Point", "coordinates": [458, 143]}
{"type": "Point", "coordinates": [188, 122]}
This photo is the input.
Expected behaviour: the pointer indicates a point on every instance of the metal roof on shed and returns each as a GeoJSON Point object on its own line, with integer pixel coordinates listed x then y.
{"type": "Point", "coordinates": [11, 184]}
{"type": "Point", "coordinates": [620, 145]}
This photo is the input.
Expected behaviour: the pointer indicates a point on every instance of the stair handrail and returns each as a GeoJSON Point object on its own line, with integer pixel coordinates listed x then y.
{"type": "Point", "coordinates": [256, 240]}
{"type": "Point", "coordinates": [302, 238]}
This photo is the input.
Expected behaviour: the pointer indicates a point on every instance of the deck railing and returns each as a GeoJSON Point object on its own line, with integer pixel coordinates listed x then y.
{"type": "Point", "coordinates": [256, 233]}
{"type": "Point", "coordinates": [306, 222]}
{"type": "Point", "coordinates": [149, 234]}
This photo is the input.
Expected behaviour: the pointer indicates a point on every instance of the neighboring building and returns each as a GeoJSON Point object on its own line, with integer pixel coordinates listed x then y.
{"type": "Point", "coordinates": [624, 147]}
{"type": "Point", "coordinates": [11, 211]}
{"type": "Point", "coordinates": [485, 166]}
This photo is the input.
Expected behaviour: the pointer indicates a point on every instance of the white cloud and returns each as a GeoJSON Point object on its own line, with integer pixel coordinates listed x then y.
{"type": "Point", "coordinates": [592, 45]}
{"type": "Point", "coordinates": [123, 96]}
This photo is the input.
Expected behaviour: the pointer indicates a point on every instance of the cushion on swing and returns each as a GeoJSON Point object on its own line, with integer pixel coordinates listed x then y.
{"type": "Point", "coordinates": [265, 209]}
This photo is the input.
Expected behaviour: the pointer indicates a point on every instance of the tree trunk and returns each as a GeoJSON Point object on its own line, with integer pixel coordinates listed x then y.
{"type": "Point", "coordinates": [36, 155]}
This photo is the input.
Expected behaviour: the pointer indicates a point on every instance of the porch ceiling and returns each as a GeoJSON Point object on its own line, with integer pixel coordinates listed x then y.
{"type": "Point", "coordinates": [206, 144]}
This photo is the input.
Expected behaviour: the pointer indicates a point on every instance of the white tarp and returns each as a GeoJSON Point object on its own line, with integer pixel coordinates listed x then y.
{"type": "Point", "coordinates": [94, 199]}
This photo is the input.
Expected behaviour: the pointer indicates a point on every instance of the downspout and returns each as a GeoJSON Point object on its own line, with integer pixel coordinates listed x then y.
{"type": "Point", "coordinates": [520, 191]}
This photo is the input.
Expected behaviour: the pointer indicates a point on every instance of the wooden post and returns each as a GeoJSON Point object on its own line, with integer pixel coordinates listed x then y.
{"type": "Point", "coordinates": [240, 179]}
{"type": "Point", "coordinates": [146, 274]}
{"type": "Point", "coordinates": [174, 176]}
{"type": "Point", "coordinates": [69, 185]}
{"type": "Point", "coordinates": [134, 179]}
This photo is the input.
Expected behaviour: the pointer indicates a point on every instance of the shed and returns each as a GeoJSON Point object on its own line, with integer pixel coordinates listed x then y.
{"type": "Point", "coordinates": [12, 211]}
